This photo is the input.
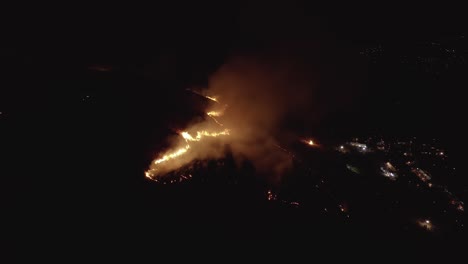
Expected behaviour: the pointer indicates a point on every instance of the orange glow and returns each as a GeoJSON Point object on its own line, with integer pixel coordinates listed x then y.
{"type": "Point", "coordinates": [214, 99]}
{"type": "Point", "coordinates": [150, 174]}
{"type": "Point", "coordinates": [147, 174]}
{"type": "Point", "coordinates": [309, 142]}
{"type": "Point", "coordinates": [172, 155]}
{"type": "Point", "coordinates": [215, 113]}
{"type": "Point", "coordinates": [163, 164]}
{"type": "Point", "coordinates": [201, 134]}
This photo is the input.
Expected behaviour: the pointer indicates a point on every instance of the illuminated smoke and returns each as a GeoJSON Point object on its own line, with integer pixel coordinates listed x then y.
{"type": "Point", "coordinates": [253, 99]}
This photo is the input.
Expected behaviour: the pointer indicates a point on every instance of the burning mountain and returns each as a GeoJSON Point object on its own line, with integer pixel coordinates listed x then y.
{"type": "Point", "coordinates": [250, 100]}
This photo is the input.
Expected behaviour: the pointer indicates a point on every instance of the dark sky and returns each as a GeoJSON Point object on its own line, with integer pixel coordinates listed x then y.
{"type": "Point", "coordinates": [123, 33]}
{"type": "Point", "coordinates": [183, 43]}
{"type": "Point", "coordinates": [63, 146]}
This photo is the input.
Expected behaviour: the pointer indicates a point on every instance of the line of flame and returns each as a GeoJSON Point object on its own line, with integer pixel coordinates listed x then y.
{"type": "Point", "coordinates": [309, 142]}
{"type": "Point", "coordinates": [213, 114]}
{"type": "Point", "coordinates": [188, 138]}
{"type": "Point", "coordinates": [174, 155]}
{"type": "Point", "coordinates": [201, 134]}
{"type": "Point", "coordinates": [212, 98]}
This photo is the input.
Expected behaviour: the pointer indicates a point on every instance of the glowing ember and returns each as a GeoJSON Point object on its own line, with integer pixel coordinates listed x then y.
{"type": "Point", "coordinates": [215, 113]}
{"type": "Point", "coordinates": [309, 142]}
{"type": "Point", "coordinates": [147, 174]}
{"type": "Point", "coordinates": [201, 134]}
{"type": "Point", "coordinates": [214, 99]}
{"type": "Point", "coordinates": [176, 154]}
{"type": "Point", "coordinates": [172, 155]}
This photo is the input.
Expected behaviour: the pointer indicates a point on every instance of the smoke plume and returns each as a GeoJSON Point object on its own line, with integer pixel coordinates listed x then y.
{"type": "Point", "coordinates": [253, 99]}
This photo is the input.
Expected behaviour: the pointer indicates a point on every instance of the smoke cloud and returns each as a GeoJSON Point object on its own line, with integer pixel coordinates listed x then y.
{"type": "Point", "coordinates": [290, 74]}
{"type": "Point", "coordinates": [255, 97]}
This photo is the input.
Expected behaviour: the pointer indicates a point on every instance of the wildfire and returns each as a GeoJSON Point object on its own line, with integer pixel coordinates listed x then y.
{"type": "Point", "coordinates": [214, 99]}
{"type": "Point", "coordinates": [188, 138]}
{"type": "Point", "coordinates": [172, 155]}
{"type": "Point", "coordinates": [181, 151]}
{"type": "Point", "coordinates": [201, 134]}
{"type": "Point", "coordinates": [271, 196]}
{"type": "Point", "coordinates": [309, 142]}
{"type": "Point", "coordinates": [215, 113]}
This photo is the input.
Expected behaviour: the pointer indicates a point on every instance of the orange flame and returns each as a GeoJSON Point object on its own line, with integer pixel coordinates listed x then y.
{"type": "Point", "coordinates": [174, 155]}
{"type": "Point", "coordinates": [212, 114]}
{"type": "Point", "coordinates": [215, 113]}
{"type": "Point", "coordinates": [201, 134]}
{"type": "Point", "coordinates": [309, 142]}
{"type": "Point", "coordinates": [214, 99]}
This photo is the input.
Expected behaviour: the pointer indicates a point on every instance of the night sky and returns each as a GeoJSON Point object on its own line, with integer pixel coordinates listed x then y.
{"type": "Point", "coordinates": [88, 97]}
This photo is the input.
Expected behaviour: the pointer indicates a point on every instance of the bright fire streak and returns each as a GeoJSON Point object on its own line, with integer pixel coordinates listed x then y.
{"type": "Point", "coordinates": [309, 142]}
{"type": "Point", "coordinates": [148, 175]}
{"type": "Point", "coordinates": [216, 121]}
{"type": "Point", "coordinates": [212, 114]}
{"type": "Point", "coordinates": [172, 155]}
{"type": "Point", "coordinates": [214, 99]}
{"type": "Point", "coordinates": [215, 113]}
{"type": "Point", "coordinates": [188, 138]}
{"type": "Point", "coordinates": [201, 134]}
